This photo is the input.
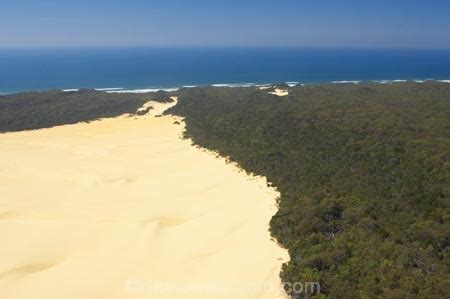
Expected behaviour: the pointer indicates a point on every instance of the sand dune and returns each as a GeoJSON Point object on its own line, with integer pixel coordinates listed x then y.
{"type": "Point", "coordinates": [124, 208]}
{"type": "Point", "coordinates": [280, 92]}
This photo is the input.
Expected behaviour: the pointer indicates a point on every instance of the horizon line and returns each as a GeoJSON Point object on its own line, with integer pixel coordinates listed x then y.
{"type": "Point", "coordinates": [178, 46]}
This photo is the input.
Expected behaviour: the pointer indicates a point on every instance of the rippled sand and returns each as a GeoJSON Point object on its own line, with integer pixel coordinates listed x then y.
{"type": "Point", "coordinates": [124, 208]}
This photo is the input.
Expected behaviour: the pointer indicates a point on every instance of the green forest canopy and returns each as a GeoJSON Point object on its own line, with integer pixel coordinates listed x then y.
{"type": "Point", "coordinates": [363, 171]}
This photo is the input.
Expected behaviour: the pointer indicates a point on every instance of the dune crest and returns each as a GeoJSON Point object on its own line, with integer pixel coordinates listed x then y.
{"type": "Point", "coordinates": [125, 208]}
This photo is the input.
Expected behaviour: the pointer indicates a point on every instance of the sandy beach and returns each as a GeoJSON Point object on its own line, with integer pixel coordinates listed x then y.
{"type": "Point", "coordinates": [125, 208]}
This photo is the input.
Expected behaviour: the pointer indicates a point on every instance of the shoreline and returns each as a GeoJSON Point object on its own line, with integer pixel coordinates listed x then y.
{"type": "Point", "coordinates": [230, 85]}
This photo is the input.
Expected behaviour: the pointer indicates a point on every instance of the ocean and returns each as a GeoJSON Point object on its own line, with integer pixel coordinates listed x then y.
{"type": "Point", "coordinates": [119, 69]}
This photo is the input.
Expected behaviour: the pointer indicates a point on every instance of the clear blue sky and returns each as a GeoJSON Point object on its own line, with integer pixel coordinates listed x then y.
{"type": "Point", "coordinates": [324, 23]}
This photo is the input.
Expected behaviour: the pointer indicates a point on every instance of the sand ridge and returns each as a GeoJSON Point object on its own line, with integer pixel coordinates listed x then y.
{"type": "Point", "coordinates": [280, 92]}
{"type": "Point", "coordinates": [125, 208]}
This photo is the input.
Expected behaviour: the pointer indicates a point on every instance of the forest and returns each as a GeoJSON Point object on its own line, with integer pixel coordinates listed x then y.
{"type": "Point", "coordinates": [36, 110]}
{"type": "Point", "coordinates": [364, 176]}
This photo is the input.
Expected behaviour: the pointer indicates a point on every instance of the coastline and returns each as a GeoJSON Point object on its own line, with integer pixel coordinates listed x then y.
{"type": "Point", "coordinates": [260, 85]}
{"type": "Point", "coordinates": [148, 89]}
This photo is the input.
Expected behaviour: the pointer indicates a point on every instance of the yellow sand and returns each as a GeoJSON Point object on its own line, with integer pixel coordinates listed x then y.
{"type": "Point", "coordinates": [280, 92]}
{"type": "Point", "coordinates": [124, 208]}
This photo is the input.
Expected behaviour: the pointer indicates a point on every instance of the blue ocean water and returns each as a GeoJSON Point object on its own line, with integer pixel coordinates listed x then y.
{"type": "Point", "coordinates": [140, 68]}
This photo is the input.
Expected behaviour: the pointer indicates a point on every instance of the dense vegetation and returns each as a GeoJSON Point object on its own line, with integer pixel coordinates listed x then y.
{"type": "Point", "coordinates": [34, 110]}
{"type": "Point", "coordinates": [364, 175]}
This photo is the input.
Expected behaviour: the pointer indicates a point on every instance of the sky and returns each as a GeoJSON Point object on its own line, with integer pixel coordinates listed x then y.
{"type": "Point", "coordinates": [281, 23]}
